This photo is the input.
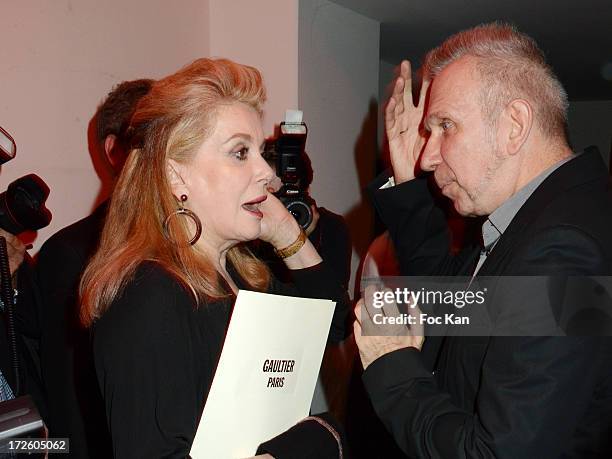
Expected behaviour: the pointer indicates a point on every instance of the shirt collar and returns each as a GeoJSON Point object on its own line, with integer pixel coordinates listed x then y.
{"type": "Point", "coordinates": [500, 219]}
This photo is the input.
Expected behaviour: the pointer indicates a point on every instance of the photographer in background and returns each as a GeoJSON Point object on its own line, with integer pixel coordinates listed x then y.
{"type": "Point", "coordinates": [76, 409]}
{"type": "Point", "coordinates": [22, 210]}
{"type": "Point", "coordinates": [327, 230]}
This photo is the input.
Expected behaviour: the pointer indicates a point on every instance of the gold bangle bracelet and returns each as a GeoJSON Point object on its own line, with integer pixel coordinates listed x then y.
{"type": "Point", "coordinates": [293, 248]}
{"type": "Point", "coordinates": [330, 429]}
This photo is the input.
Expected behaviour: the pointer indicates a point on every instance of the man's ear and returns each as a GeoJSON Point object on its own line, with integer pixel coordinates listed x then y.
{"type": "Point", "coordinates": [114, 153]}
{"type": "Point", "coordinates": [519, 116]}
{"type": "Point", "coordinates": [173, 171]}
{"type": "Point", "coordinates": [109, 144]}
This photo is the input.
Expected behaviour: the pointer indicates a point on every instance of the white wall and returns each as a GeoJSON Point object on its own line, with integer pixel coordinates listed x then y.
{"type": "Point", "coordinates": [59, 59]}
{"type": "Point", "coordinates": [263, 34]}
{"type": "Point", "coordinates": [338, 91]}
{"type": "Point", "coordinates": [590, 123]}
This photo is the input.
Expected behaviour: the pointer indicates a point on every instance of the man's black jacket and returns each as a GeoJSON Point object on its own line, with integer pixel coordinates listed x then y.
{"type": "Point", "coordinates": [504, 397]}
{"type": "Point", "coordinates": [75, 405]}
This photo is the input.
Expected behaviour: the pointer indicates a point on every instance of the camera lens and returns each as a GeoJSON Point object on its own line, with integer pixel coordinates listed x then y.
{"type": "Point", "coordinates": [301, 212]}
{"type": "Point", "coordinates": [22, 205]}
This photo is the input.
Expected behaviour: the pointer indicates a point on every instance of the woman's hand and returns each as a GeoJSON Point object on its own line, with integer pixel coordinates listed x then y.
{"type": "Point", "coordinates": [402, 121]}
{"type": "Point", "coordinates": [278, 227]}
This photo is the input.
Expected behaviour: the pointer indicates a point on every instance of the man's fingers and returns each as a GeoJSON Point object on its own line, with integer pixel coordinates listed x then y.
{"type": "Point", "coordinates": [358, 309]}
{"type": "Point", "coordinates": [398, 88]}
{"type": "Point", "coordinates": [390, 309]}
{"type": "Point", "coordinates": [399, 97]}
{"type": "Point", "coordinates": [368, 302]}
{"type": "Point", "coordinates": [357, 331]}
{"type": "Point", "coordinates": [406, 74]}
{"type": "Point", "coordinates": [417, 329]}
{"type": "Point", "coordinates": [423, 94]}
{"type": "Point", "coordinates": [390, 114]}
{"type": "Point", "coordinates": [405, 68]}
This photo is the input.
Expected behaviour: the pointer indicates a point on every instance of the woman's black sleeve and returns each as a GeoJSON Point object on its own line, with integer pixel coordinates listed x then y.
{"type": "Point", "coordinates": [319, 282]}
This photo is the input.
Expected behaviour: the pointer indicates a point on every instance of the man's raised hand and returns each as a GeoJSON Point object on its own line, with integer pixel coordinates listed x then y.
{"type": "Point", "coordinates": [402, 121]}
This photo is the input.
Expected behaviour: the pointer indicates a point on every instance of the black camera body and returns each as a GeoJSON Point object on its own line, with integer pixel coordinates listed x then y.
{"type": "Point", "coordinates": [22, 205]}
{"type": "Point", "coordinates": [288, 154]}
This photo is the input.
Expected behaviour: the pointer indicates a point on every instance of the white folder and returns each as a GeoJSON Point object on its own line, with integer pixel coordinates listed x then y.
{"type": "Point", "coordinates": [266, 374]}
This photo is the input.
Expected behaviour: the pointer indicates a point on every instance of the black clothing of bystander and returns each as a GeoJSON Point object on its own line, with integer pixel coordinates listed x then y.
{"type": "Point", "coordinates": [75, 405]}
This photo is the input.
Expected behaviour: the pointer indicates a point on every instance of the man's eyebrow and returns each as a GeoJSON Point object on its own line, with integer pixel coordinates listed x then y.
{"type": "Point", "coordinates": [432, 118]}
{"type": "Point", "coordinates": [239, 135]}
{"type": "Point", "coordinates": [428, 121]}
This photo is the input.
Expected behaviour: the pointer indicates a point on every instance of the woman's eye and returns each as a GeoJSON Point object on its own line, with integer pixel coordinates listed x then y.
{"type": "Point", "coordinates": [446, 125]}
{"type": "Point", "coordinates": [241, 154]}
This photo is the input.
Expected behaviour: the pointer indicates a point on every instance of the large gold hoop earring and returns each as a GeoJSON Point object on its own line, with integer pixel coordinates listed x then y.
{"type": "Point", "coordinates": [188, 213]}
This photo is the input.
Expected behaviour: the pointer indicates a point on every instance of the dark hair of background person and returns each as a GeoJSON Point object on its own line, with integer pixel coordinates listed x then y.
{"type": "Point", "coordinates": [114, 114]}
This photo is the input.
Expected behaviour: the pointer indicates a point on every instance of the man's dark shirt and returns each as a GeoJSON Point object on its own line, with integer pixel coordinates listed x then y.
{"type": "Point", "coordinates": [76, 409]}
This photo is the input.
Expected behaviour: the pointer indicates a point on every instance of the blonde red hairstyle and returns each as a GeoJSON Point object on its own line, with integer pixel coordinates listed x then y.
{"type": "Point", "coordinates": [170, 122]}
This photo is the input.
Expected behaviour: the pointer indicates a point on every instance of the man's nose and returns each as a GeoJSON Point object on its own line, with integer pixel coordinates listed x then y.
{"type": "Point", "coordinates": [431, 158]}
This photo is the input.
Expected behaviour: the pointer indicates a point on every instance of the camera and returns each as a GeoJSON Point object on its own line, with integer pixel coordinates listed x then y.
{"type": "Point", "coordinates": [287, 154]}
{"type": "Point", "coordinates": [22, 205]}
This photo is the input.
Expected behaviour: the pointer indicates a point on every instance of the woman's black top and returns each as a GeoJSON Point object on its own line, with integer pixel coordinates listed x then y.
{"type": "Point", "coordinates": [156, 353]}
